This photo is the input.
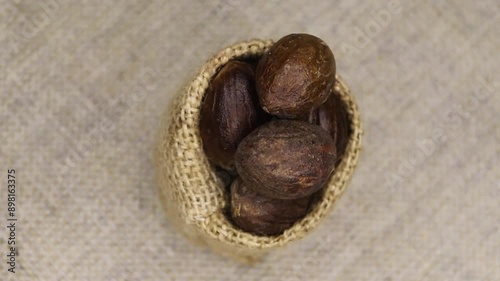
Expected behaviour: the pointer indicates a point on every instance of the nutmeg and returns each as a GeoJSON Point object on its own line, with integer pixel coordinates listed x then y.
{"type": "Point", "coordinates": [261, 215]}
{"type": "Point", "coordinates": [229, 112]}
{"type": "Point", "coordinates": [286, 159]}
{"type": "Point", "coordinates": [332, 116]}
{"type": "Point", "coordinates": [312, 117]}
{"type": "Point", "coordinates": [294, 76]}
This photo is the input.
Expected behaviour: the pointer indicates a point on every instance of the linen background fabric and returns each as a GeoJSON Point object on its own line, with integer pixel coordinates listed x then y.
{"type": "Point", "coordinates": [83, 85]}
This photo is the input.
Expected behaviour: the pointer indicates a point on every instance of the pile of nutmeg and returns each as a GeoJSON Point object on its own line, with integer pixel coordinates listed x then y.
{"type": "Point", "coordinates": [274, 123]}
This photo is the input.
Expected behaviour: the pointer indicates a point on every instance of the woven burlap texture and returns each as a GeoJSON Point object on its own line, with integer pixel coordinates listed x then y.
{"type": "Point", "coordinates": [192, 193]}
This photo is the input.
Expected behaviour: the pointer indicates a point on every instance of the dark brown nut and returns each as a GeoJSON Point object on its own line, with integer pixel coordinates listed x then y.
{"type": "Point", "coordinates": [294, 76]}
{"type": "Point", "coordinates": [262, 215]}
{"type": "Point", "coordinates": [229, 112]}
{"type": "Point", "coordinates": [286, 159]}
{"type": "Point", "coordinates": [332, 116]}
{"type": "Point", "coordinates": [312, 117]}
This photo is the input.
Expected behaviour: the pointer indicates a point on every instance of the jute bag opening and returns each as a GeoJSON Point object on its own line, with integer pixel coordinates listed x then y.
{"type": "Point", "coordinates": [193, 195]}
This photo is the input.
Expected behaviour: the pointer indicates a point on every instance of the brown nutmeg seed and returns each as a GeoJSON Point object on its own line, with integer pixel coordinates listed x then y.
{"type": "Point", "coordinates": [312, 117]}
{"type": "Point", "coordinates": [294, 76]}
{"type": "Point", "coordinates": [286, 159]}
{"type": "Point", "coordinates": [332, 116]}
{"type": "Point", "coordinates": [229, 112]}
{"type": "Point", "coordinates": [262, 215]}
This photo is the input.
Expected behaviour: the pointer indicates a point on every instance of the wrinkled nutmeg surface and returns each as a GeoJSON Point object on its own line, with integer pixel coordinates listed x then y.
{"type": "Point", "coordinates": [229, 112]}
{"type": "Point", "coordinates": [286, 159]}
{"type": "Point", "coordinates": [262, 215]}
{"type": "Point", "coordinates": [294, 76]}
{"type": "Point", "coordinates": [332, 116]}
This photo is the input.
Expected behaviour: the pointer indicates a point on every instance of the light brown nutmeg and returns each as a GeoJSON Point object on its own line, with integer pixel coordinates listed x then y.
{"type": "Point", "coordinates": [229, 112]}
{"type": "Point", "coordinates": [261, 215]}
{"type": "Point", "coordinates": [286, 159]}
{"type": "Point", "coordinates": [294, 76]}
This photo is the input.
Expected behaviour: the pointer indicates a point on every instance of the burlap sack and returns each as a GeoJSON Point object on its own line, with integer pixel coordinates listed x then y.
{"type": "Point", "coordinates": [193, 195]}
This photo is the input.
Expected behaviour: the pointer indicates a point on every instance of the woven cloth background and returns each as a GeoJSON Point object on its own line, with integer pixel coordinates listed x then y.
{"type": "Point", "coordinates": [84, 83]}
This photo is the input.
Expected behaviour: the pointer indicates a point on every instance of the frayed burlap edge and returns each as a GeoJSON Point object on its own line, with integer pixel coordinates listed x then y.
{"type": "Point", "coordinates": [192, 194]}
